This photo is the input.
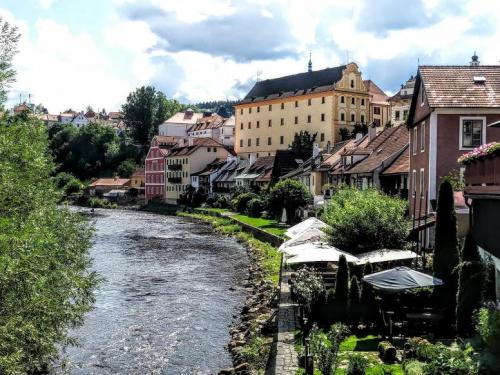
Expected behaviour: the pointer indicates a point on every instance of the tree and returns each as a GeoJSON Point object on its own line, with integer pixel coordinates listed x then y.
{"type": "Point", "coordinates": [354, 301]}
{"type": "Point", "coordinates": [126, 168]}
{"type": "Point", "coordinates": [365, 220]}
{"type": "Point", "coordinates": [342, 281]}
{"type": "Point", "coordinates": [344, 134]}
{"type": "Point", "coordinates": [303, 143]}
{"type": "Point", "coordinates": [46, 285]}
{"type": "Point", "coordinates": [290, 195]}
{"type": "Point", "coordinates": [359, 127]}
{"type": "Point", "coordinates": [368, 303]}
{"type": "Point", "coordinates": [445, 258]}
{"type": "Point", "coordinates": [9, 37]}
{"type": "Point", "coordinates": [144, 111]}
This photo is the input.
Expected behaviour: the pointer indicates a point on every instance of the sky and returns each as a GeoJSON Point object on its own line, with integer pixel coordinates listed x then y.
{"type": "Point", "coordinates": [75, 53]}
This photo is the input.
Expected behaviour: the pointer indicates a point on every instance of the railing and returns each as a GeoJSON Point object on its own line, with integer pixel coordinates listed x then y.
{"type": "Point", "coordinates": [175, 180]}
{"type": "Point", "coordinates": [174, 167]}
{"type": "Point", "coordinates": [483, 177]}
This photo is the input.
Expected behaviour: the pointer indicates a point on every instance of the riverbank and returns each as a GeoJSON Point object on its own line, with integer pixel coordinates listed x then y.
{"type": "Point", "coordinates": [252, 338]}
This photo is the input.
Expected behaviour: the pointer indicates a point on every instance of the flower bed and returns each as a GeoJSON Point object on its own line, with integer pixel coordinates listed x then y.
{"type": "Point", "coordinates": [482, 152]}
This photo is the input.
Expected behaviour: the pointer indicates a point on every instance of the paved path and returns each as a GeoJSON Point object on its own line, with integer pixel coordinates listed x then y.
{"type": "Point", "coordinates": [286, 361]}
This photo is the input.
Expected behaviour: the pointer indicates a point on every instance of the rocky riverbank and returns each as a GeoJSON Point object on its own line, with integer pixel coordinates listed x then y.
{"type": "Point", "coordinates": [253, 335]}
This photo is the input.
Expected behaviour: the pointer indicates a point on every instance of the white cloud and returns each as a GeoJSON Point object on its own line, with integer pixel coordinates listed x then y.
{"type": "Point", "coordinates": [46, 3]}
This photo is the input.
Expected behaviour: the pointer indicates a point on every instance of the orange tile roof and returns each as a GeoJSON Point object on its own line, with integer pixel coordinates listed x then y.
{"type": "Point", "coordinates": [118, 182]}
{"type": "Point", "coordinates": [400, 165]}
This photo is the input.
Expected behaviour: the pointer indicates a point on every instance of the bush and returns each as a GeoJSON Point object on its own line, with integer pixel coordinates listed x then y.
{"type": "Point", "coordinates": [364, 220]}
{"type": "Point", "coordinates": [488, 327]}
{"type": "Point", "coordinates": [447, 361]}
{"type": "Point", "coordinates": [254, 207]}
{"type": "Point", "coordinates": [357, 365]}
{"type": "Point", "coordinates": [470, 286]}
{"type": "Point", "coordinates": [95, 202]}
{"type": "Point", "coordinates": [307, 286]}
{"type": "Point", "coordinates": [240, 202]}
{"type": "Point", "coordinates": [221, 202]}
{"type": "Point", "coordinates": [290, 195]}
{"type": "Point", "coordinates": [413, 368]}
{"type": "Point", "coordinates": [73, 186]}
{"type": "Point", "coordinates": [387, 351]}
{"type": "Point", "coordinates": [126, 168]}
{"type": "Point", "coordinates": [62, 179]}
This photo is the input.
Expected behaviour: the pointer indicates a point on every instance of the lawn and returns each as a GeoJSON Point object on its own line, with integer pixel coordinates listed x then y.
{"type": "Point", "coordinates": [268, 225]}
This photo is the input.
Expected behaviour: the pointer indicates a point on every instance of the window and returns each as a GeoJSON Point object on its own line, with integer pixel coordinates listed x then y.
{"type": "Point", "coordinates": [258, 124]}
{"type": "Point", "coordinates": [342, 116]}
{"type": "Point", "coordinates": [282, 121]}
{"type": "Point", "coordinates": [282, 105]}
{"type": "Point", "coordinates": [282, 139]}
{"type": "Point", "coordinates": [413, 183]}
{"type": "Point", "coordinates": [296, 120]}
{"type": "Point", "coordinates": [415, 141]}
{"type": "Point", "coordinates": [472, 132]}
{"type": "Point", "coordinates": [322, 117]}
{"type": "Point", "coordinates": [241, 111]}
{"type": "Point", "coordinates": [250, 110]}
{"type": "Point", "coordinates": [322, 100]}
{"type": "Point", "coordinates": [257, 141]}
{"type": "Point", "coordinates": [322, 137]}
{"type": "Point", "coordinates": [362, 101]}
{"type": "Point", "coordinates": [270, 107]}
{"type": "Point", "coordinates": [241, 142]}
{"type": "Point", "coordinates": [249, 142]}
{"type": "Point", "coordinates": [241, 126]}
{"type": "Point", "coordinates": [396, 115]}
{"type": "Point", "coordinates": [421, 182]}
{"type": "Point", "coordinates": [353, 117]}
{"type": "Point", "coordinates": [269, 141]}
{"type": "Point", "coordinates": [422, 137]}
{"type": "Point", "coordinates": [352, 83]}
{"type": "Point", "coordinates": [270, 123]}
{"type": "Point", "coordinates": [376, 110]}
{"type": "Point", "coordinates": [362, 119]}
{"type": "Point", "coordinates": [208, 149]}
{"type": "Point", "coordinates": [353, 101]}
{"type": "Point", "coordinates": [249, 125]}
{"type": "Point", "coordinates": [296, 104]}
{"type": "Point", "coordinates": [405, 114]}
{"type": "Point", "coordinates": [258, 109]}
{"type": "Point", "coordinates": [309, 118]}
{"type": "Point", "coordinates": [309, 101]}
{"type": "Point", "coordinates": [342, 99]}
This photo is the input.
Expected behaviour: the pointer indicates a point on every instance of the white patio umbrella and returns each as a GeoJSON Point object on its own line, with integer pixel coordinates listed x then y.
{"type": "Point", "coordinates": [311, 223]}
{"type": "Point", "coordinates": [316, 252]}
{"type": "Point", "coordinates": [401, 278]}
{"type": "Point", "coordinates": [308, 236]}
{"type": "Point", "coordinates": [386, 255]}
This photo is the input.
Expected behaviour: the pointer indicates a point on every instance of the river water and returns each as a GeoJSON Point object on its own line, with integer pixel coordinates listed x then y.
{"type": "Point", "coordinates": [170, 292]}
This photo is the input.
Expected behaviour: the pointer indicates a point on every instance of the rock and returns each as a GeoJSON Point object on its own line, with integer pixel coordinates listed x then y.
{"type": "Point", "coordinates": [242, 368]}
{"type": "Point", "coordinates": [227, 371]}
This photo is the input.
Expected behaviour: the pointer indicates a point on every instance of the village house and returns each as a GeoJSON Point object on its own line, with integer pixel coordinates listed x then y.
{"type": "Point", "coordinates": [257, 174]}
{"type": "Point", "coordinates": [186, 158]}
{"type": "Point", "coordinates": [226, 179]}
{"type": "Point", "coordinates": [103, 186]}
{"type": "Point", "coordinates": [155, 166]}
{"type": "Point", "coordinates": [451, 109]}
{"type": "Point", "coordinates": [401, 101]}
{"type": "Point", "coordinates": [179, 124]}
{"type": "Point", "coordinates": [205, 178]}
{"type": "Point", "coordinates": [321, 102]}
{"type": "Point", "coordinates": [215, 127]}
{"type": "Point", "coordinates": [380, 108]}
{"type": "Point", "coordinates": [138, 181]}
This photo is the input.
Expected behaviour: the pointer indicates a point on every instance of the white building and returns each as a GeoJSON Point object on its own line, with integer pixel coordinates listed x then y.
{"type": "Point", "coordinates": [79, 120]}
{"type": "Point", "coordinates": [179, 124]}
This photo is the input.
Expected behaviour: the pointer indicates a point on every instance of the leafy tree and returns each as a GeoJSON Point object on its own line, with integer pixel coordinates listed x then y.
{"type": "Point", "coordinates": [46, 286]}
{"type": "Point", "coordinates": [126, 168]}
{"type": "Point", "coordinates": [368, 303]}
{"type": "Point", "coordinates": [9, 37]}
{"type": "Point", "coordinates": [40, 109]}
{"type": "Point", "coordinates": [359, 127]}
{"type": "Point", "coordinates": [344, 134]}
{"type": "Point", "coordinates": [303, 143]}
{"type": "Point", "coordinates": [446, 249]}
{"type": "Point", "coordinates": [307, 286]}
{"type": "Point", "coordinates": [289, 194]}
{"type": "Point", "coordinates": [365, 220]}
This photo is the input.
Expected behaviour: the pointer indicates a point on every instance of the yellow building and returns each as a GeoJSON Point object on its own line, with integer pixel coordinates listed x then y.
{"type": "Point", "coordinates": [321, 102]}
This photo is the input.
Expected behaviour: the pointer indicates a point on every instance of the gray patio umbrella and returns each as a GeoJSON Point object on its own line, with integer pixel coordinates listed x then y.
{"type": "Point", "coordinates": [401, 278]}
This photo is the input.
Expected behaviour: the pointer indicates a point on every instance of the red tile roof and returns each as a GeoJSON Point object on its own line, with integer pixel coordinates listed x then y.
{"type": "Point", "coordinates": [196, 144]}
{"type": "Point", "coordinates": [113, 182]}
{"type": "Point", "coordinates": [454, 86]}
{"type": "Point", "coordinates": [400, 165]}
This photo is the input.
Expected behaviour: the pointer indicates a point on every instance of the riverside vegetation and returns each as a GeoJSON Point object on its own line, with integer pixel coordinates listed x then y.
{"type": "Point", "coordinates": [252, 337]}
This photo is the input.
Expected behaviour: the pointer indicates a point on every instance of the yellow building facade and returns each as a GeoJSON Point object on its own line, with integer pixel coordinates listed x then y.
{"type": "Point", "coordinates": [319, 102]}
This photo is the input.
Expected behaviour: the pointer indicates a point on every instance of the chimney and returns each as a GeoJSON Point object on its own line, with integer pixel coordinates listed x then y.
{"type": "Point", "coordinates": [328, 147]}
{"type": "Point", "coordinates": [251, 159]}
{"type": "Point", "coordinates": [359, 135]}
{"type": "Point", "coordinates": [372, 131]}
{"type": "Point", "coordinates": [315, 150]}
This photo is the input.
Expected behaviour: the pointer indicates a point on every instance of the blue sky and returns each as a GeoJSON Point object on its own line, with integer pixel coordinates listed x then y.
{"type": "Point", "coordinates": [76, 53]}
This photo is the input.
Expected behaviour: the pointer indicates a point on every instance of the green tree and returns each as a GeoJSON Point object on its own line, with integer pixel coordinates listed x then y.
{"type": "Point", "coordinates": [9, 37]}
{"type": "Point", "coordinates": [445, 258]}
{"type": "Point", "coordinates": [289, 194]}
{"type": "Point", "coordinates": [368, 303]}
{"type": "Point", "coordinates": [46, 286]}
{"type": "Point", "coordinates": [354, 301]}
{"type": "Point", "coordinates": [365, 220]}
{"type": "Point", "coordinates": [342, 281]}
{"type": "Point", "coordinates": [126, 168]}
{"type": "Point", "coordinates": [303, 143]}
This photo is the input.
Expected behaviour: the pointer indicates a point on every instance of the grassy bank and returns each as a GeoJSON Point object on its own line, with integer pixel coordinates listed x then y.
{"type": "Point", "coordinates": [252, 339]}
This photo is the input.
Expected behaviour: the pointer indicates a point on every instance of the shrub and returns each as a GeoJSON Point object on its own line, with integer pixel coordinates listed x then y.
{"type": "Point", "coordinates": [387, 351]}
{"type": "Point", "coordinates": [470, 286]}
{"type": "Point", "coordinates": [61, 179]}
{"type": "Point", "coordinates": [364, 220]}
{"type": "Point", "coordinates": [413, 368]}
{"type": "Point", "coordinates": [445, 258]}
{"type": "Point", "coordinates": [488, 327]}
{"type": "Point", "coordinates": [357, 365]}
{"type": "Point", "coordinates": [240, 202]}
{"type": "Point", "coordinates": [354, 301]}
{"type": "Point", "coordinates": [321, 351]}
{"type": "Point", "coordinates": [307, 286]}
{"type": "Point", "coordinates": [126, 168]}
{"type": "Point", "coordinates": [73, 186]}
{"type": "Point", "coordinates": [447, 361]}
{"type": "Point", "coordinates": [288, 194]}
{"type": "Point", "coordinates": [95, 202]}
{"type": "Point", "coordinates": [254, 207]}
{"type": "Point", "coordinates": [221, 202]}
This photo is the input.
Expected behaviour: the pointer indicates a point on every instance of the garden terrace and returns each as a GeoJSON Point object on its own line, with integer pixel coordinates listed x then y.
{"type": "Point", "coordinates": [482, 177]}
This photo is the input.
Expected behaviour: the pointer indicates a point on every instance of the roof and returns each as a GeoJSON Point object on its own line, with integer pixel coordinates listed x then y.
{"type": "Point", "coordinates": [197, 143]}
{"type": "Point", "coordinates": [408, 87]}
{"type": "Point", "coordinates": [454, 86]}
{"type": "Point", "coordinates": [186, 117]}
{"type": "Point", "coordinates": [260, 170]}
{"type": "Point", "coordinates": [296, 84]}
{"type": "Point", "coordinates": [167, 139]}
{"type": "Point", "coordinates": [115, 115]}
{"type": "Point", "coordinates": [208, 122]}
{"type": "Point", "coordinates": [285, 161]}
{"type": "Point", "coordinates": [110, 182]}
{"type": "Point", "coordinates": [212, 167]}
{"type": "Point", "coordinates": [401, 165]}
{"type": "Point", "coordinates": [385, 145]}
{"type": "Point", "coordinates": [139, 172]}
{"type": "Point", "coordinates": [378, 96]}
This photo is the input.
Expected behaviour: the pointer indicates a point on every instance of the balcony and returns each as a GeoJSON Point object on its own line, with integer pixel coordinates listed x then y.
{"type": "Point", "coordinates": [482, 177]}
{"type": "Point", "coordinates": [174, 167]}
{"type": "Point", "coordinates": [174, 180]}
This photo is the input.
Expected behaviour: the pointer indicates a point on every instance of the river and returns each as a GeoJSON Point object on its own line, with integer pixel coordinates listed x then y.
{"type": "Point", "coordinates": [170, 292]}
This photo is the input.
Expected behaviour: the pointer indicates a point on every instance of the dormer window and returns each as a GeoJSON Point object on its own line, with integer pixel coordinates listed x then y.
{"type": "Point", "coordinates": [352, 83]}
{"type": "Point", "coordinates": [479, 79]}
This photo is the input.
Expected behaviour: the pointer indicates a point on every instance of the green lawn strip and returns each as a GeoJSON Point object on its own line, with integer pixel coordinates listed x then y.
{"type": "Point", "coordinates": [363, 344]}
{"type": "Point", "coordinates": [210, 209]}
{"type": "Point", "coordinates": [268, 225]}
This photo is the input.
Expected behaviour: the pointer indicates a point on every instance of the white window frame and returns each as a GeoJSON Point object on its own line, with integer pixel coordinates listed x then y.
{"type": "Point", "coordinates": [422, 136]}
{"type": "Point", "coordinates": [421, 181]}
{"type": "Point", "coordinates": [415, 141]}
{"type": "Point", "coordinates": [461, 131]}
{"type": "Point", "coordinates": [414, 183]}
